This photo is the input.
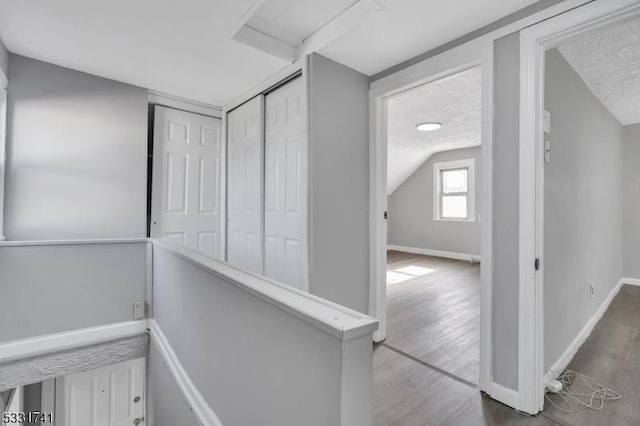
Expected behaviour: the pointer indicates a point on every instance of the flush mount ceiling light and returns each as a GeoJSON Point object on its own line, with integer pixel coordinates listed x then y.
{"type": "Point", "coordinates": [428, 127]}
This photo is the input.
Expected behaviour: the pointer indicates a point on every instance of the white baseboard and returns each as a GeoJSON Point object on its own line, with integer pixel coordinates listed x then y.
{"type": "Point", "coordinates": [631, 281]}
{"type": "Point", "coordinates": [571, 351]}
{"type": "Point", "coordinates": [201, 410]}
{"type": "Point", "coordinates": [437, 253]}
{"type": "Point", "coordinates": [66, 340]}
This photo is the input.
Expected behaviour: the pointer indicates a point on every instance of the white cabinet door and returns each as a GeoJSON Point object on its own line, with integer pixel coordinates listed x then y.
{"type": "Point", "coordinates": [107, 396]}
{"type": "Point", "coordinates": [245, 186]}
{"type": "Point", "coordinates": [285, 185]}
{"type": "Point", "coordinates": [187, 180]}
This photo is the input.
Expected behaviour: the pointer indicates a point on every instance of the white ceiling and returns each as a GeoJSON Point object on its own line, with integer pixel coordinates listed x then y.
{"type": "Point", "coordinates": [185, 48]}
{"type": "Point", "coordinates": [609, 63]}
{"type": "Point", "coordinates": [170, 46]}
{"type": "Point", "coordinates": [454, 101]}
{"type": "Point", "coordinates": [407, 28]}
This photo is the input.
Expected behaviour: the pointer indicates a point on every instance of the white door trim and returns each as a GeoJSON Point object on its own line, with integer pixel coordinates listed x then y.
{"type": "Point", "coordinates": [534, 41]}
{"type": "Point", "coordinates": [478, 52]}
{"type": "Point", "coordinates": [3, 133]}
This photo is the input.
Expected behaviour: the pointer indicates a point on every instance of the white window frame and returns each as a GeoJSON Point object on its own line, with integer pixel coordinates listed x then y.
{"type": "Point", "coordinates": [438, 168]}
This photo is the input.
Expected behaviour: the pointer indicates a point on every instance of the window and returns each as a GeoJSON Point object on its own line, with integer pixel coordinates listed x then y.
{"type": "Point", "coordinates": [454, 191]}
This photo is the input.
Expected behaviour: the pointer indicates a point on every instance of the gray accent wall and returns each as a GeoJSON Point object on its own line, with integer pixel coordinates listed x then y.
{"type": "Point", "coordinates": [506, 175]}
{"type": "Point", "coordinates": [583, 206]}
{"type": "Point", "coordinates": [411, 206]}
{"type": "Point", "coordinates": [4, 59]}
{"type": "Point", "coordinates": [631, 201]}
{"type": "Point", "coordinates": [253, 361]}
{"type": "Point", "coordinates": [339, 183]}
{"type": "Point", "coordinates": [76, 155]}
{"type": "Point", "coordinates": [56, 288]}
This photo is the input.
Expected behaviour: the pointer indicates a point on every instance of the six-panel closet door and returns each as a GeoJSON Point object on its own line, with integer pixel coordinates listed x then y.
{"type": "Point", "coordinates": [285, 184]}
{"type": "Point", "coordinates": [187, 180]}
{"type": "Point", "coordinates": [245, 186]}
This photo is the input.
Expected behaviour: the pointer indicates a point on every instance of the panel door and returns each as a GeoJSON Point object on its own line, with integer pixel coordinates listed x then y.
{"type": "Point", "coordinates": [285, 185]}
{"type": "Point", "coordinates": [107, 396]}
{"type": "Point", "coordinates": [244, 186]}
{"type": "Point", "coordinates": [187, 180]}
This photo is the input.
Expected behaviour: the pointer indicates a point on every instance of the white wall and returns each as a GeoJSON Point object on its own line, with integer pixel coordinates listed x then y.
{"type": "Point", "coordinates": [631, 201]}
{"type": "Point", "coordinates": [411, 221]}
{"type": "Point", "coordinates": [583, 206]}
{"type": "Point", "coordinates": [255, 360]}
{"type": "Point", "coordinates": [339, 183]}
{"type": "Point", "coordinates": [76, 155]}
{"type": "Point", "coordinates": [53, 288]}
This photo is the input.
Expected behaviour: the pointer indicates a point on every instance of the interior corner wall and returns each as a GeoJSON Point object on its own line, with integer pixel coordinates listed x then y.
{"type": "Point", "coordinates": [583, 195]}
{"type": "Point", "coordinates": [411, 222]}
{"type": "Point", "coordinates": [76, 155]}
{"type": "Point", "coordinates": [506, 176]}
{"type": "Point", "coordinates": [339, 183]}
{"type": "Point", "coordinates": [631, 202]}
{"type": "Point", "coordinates": [4, 59]}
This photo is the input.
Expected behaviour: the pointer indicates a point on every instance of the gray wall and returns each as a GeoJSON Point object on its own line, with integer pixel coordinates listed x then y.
{"type": "Point", "coordinates": [583, 205]}
{"type": "Point", "coordinates": [631, 201]}
{"type": "Point", "coordinates": [76, 155]}
{"type": "Point", "coordinates": [505, 210]}
{"type": "Point", "coordinates": [4, 59]}
{"type": "Point", "coordinates": [254, 363]}
{"type": "Point", "coordinates": [165, 403]}
{"type": "Point", "coordinates": [339, 183]}
{"type": "Point", "coordinates": [410, 208]}
{"type": "Point", "coordinates": [58, 288]}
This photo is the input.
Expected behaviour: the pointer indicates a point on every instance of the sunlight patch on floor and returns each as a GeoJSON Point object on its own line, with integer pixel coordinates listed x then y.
{"type": "Point", "coordinates": [407, 273]}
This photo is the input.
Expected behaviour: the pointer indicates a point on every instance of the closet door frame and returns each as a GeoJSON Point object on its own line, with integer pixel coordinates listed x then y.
{"type": "Point", "coordinates": [298, 69]}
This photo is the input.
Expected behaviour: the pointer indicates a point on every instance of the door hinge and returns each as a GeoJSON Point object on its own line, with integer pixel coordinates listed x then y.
{"type": "Point", "coordinates": [386, 215]}
{"type": "Point", "coordinates": [537, 264]}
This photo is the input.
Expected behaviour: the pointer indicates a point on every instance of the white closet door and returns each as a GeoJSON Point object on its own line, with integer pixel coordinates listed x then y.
{"type": "Point", "coordinates": [285, 185]}
{"type": "Point", "coordinates": [107, 396]}
{"type": "Point", "coordinates": [244, 186]}
{"type": "Point", "coordinates": [187, 180]}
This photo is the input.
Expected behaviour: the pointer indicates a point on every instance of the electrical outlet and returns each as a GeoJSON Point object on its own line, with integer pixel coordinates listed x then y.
{"type": "Point", "coordinates": [592, 289]}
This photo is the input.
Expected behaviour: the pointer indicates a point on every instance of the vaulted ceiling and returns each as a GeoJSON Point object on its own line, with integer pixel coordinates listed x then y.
{"type": "Point", "coordinates": [186, 48]}
{"type": "Point", "coordinates": [609, 63]}
{"type": "Point", "coordinates": [454, 101]}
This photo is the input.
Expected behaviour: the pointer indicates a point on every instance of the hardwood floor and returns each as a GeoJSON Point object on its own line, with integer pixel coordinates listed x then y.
{"type": "Point", "coordinates": [420, 379]}
{"type": "Point", "coordinates": [433, 311]}
{"type": "Point", "coordinates": [611, 356]}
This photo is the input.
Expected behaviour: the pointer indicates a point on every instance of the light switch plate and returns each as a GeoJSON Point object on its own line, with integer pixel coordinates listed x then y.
{"type": "Point", "coordinates": [547, 122]}
{"type": "Point", "coordinates": [138, 310]}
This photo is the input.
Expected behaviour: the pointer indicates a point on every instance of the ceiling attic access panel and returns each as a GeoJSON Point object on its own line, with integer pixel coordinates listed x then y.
{"type": "Point", "coordinates": [284, 28]}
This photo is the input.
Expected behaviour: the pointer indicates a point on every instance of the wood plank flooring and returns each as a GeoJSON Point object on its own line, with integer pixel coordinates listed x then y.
{"type": "Point", "coordinates": [433, 311]}
{"type": "Point", "coordinates": [611, 356]}
{"type": "Point", "coordinates": [428, 383]}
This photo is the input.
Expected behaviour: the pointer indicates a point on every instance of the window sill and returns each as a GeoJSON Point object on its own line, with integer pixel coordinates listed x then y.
{"type": "Point", "coordinates": [435, 219]}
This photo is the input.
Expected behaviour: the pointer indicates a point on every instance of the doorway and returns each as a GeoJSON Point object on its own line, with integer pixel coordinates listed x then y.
{"type": "Point", "coordinates": [470, 58]}
{"type": "Point", "coordinates": [543, 178]}
{"type": "Point", "coordinates": [434, 168]}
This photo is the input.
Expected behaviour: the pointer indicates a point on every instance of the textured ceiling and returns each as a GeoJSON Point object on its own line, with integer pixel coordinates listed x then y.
{"type": "Point", "coordinates": [454, 101]}
{"type": "Point", "coordinates": [609, 63]}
